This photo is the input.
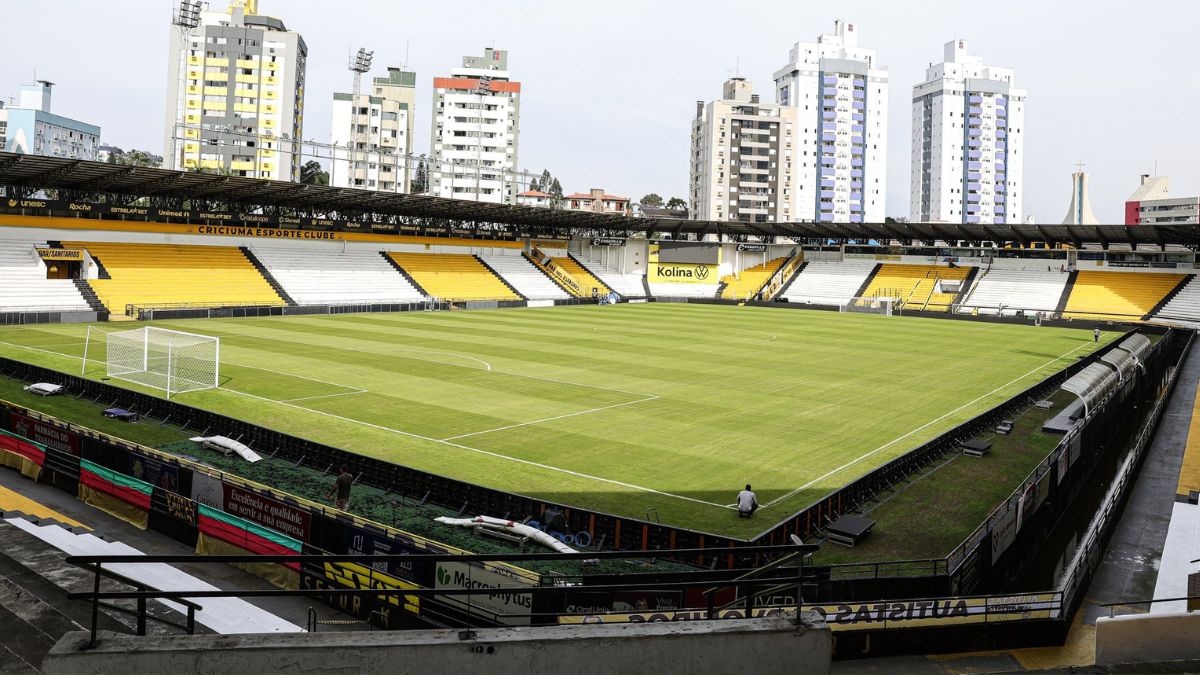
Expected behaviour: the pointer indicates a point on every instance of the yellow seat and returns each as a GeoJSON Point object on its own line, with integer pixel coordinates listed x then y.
{"type": "Point", "coordinates": [586, 280]}
{"type": "Point", "coordinates": [916, 285]}
{"type": "Point", "coordinates": [748, 282]}
{"type": "Point", "coordinates": [170, 274]}
{"type": "Point", "coordinates": [1118, 295]}
{"type": "Point", "coordinates": [453, 276]}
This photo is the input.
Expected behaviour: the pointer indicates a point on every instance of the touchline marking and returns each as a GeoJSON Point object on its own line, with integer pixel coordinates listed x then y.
{"type": "Point", "coordinates": [549, 419]}
{"type": "Point", "coordinates": [896, 440]}
{"type": "Point", "coordinates": [482, 452]}
{"type": "Point", "coordinates": [309, 398]}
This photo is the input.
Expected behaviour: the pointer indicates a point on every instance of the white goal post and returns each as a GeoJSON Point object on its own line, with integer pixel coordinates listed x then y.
{"type": "Point", "coordinates": [171, 360]}
{"type": "Point", "coordinates": [877, 305]}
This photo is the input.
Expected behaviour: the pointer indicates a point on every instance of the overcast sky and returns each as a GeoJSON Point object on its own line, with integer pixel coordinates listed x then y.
{"type": "Point", "coordinates": [609, 88]}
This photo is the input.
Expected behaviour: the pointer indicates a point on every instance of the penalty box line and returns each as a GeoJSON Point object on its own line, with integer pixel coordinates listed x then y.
{"type": "Point", "coordinates": [488, 453]}
{"type": "Point", "coordinates": [896, 440]}
{"type": "Point", "coordinates": [551, 419]}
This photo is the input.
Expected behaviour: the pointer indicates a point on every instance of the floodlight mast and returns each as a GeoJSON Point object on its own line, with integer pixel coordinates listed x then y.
{"type": "Point", "coordinates": [185, 18]}
{"type": "Point", "coordinates": [359, 63]}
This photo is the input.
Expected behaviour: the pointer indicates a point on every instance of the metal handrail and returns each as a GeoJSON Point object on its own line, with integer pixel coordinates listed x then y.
{"type": "Point", "coordinates": [1112, 605]}
{"type": "Point", "coordinates": [141, 613]}
{"type": "Point", "coordinates": [94, 563]}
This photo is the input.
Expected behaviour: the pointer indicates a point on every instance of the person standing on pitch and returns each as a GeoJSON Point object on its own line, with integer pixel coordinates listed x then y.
{"type": "Point", "coordinates": [747, 502]}
{"type": "Point", "coordinates": [341, 487]}
{"type": "Point", "coordinates": [1096, 335]}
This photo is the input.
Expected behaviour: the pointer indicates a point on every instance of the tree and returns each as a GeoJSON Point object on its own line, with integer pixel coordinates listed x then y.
{"type": "Point", "coordinates": [312, 173]}
{"type": "Point", "coordinates": [139, 158]}
{"type": "Point", "coordinates": [420, 182]}
{"type": "Point", "coordinates": [890, 219]}
{"type": "Point", "coordinates": [555, 191]}
{"type": "Point", "coordinates": [651, 199]}
{"type": "Point", "coordinates": [676, 203]}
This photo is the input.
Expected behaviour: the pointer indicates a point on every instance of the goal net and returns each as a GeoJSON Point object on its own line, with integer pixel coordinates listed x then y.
{"type": "Point", "coordinates": [171, 360]}
{"type": "Point", "coordinates": [885, 306]}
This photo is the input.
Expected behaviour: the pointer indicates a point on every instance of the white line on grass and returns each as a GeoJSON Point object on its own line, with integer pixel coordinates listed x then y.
{"type": "Point", "coordinates": [550, 419]}
{"type": "Point", "coordinates": [482, 452]}
{"type": "Point", "coordinates": [446, 442]}
{"type": "Point", "coordinates": [896, 440]}
{"type": "Point", "coordinates": [310, 398]}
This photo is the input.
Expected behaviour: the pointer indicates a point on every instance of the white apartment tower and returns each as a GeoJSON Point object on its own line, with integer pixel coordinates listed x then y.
{"type": "Point", "coordinates": [742, 158]}
{"type": "Point", "coordinates": [968, 122]}
{"type": "Point", "coordinates": [476, 127]}
{"type": "Point", "coordinates": [235, 95]}
{"type": "Point", "coordinates": [840, 155]}
{"type": "Point", "coordinates": [373, 137]}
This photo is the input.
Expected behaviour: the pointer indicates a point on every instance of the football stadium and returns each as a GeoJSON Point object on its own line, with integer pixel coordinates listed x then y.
{"type": "Point", "coordinates": [554, 421]}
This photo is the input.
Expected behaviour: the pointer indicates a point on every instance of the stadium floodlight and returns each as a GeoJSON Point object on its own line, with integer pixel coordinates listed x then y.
{"type": "Point", "coordinates": [886, 306]}
{"type": "Point", "coordinates": [171, 360]}
{"type": "Point", "coordinates": [361, 62]}
{"type": "Point", "coordinates": [187, 14]}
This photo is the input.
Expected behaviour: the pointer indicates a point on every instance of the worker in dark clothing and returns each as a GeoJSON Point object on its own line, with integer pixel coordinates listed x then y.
{"type": "Point", "coordinates": [1096, 335]}
{"type": "Point", "coordinates": [341, 487]}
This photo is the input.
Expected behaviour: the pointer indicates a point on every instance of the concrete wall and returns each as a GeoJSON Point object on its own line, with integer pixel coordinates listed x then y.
{"type": "Point", "coordinates": [1147, 638]}
{"type": "Point", "coordinates": [768, 645]}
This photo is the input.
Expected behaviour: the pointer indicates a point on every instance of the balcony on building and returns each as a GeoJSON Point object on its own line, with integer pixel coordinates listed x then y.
{"type": "Point", "coordinates": [830, 79]}
{"type": "Point", "coordinates": [859, 93]}
{"type": "Point", "coordinates": [856, 173]}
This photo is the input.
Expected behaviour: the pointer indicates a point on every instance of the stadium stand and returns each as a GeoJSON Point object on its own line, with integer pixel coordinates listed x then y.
{"type": "Point", "coordinates": [582, 276]}
{"type": "Point", "coordinates": [1185, 306]}
{"type": "Point", "coordinates": [626, 285]}
{"type": "Point", "coordinates": [916, 285]}
{"type": "Point", "coordinates": [1005, 291]}
{"type": "Point", "coordinates": [317, 277]}
{"type": "Point", "coordinates": [523, 276]}
{"type": "Point", "coordinates": [828, 283]}
{"type": "Point", "coordinates": [168, 274]}
{"type": "Point", "coordinates": [1124, 295]}
{"type": "Point", "coordinates": [221, 615]}
{"type": "Point", "coordinates": [454, 276]}
{"type": "Point", "coordinates": [23, 282]}
{"type": "Point", "coordinates": [749, 281]}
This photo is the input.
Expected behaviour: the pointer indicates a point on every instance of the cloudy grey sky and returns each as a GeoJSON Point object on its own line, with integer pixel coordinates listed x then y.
{"type": "Point", "coordinates": [609, 88]}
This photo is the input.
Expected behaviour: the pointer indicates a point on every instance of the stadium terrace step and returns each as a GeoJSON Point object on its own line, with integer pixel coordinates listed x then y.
{"type": "Point", "coordinates": [221, 615]}
{"type": "Point", "coordinates": [1066, 293]}
{"type": "Point", "coordinates": [1123, 296]}
{"type": "Point", "coordinates": [89, 295]}
{"type": "Point", "coordinates": [1184, 305]}
{"type": "Point", "coordinates": [583, 276]}
{"type": "Point", "coordinates": [396, 266]}
{"type": "Point", "coordinates": [322, 276]}
{"type": "Point", "coordinates": [862, 290]}
{"type": "Point", "coordinates": [452, 276]}
{"type": "Point", "coordinates": [549, 276]}
{"type": "Point", "coordinates": [101, 270]}
{"type": "Point", "coordinates": [787, 283]}
{"type": "Point", "coordinates": [502, 279]}
{"type": "Point", "coordinates": [270, 279]}
{"type": "Point", "coordinates": [1183, 283]}
{"type": "Point", "coordinates": [626, 285]}
{"type": "Point", "coordinates": [176, 274]}
{"type": "Point", "coordinates": [964, 291]}
{"type": "Point", "coordinates": [749, 282]}
{"type": "Point", "coordinates": [519, 272]}
{"type": "Point", "coordinates": [23, 282]}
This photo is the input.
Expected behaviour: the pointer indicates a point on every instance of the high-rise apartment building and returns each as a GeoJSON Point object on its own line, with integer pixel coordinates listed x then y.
{"type": "Point", "coordinates": [235, 94]}
{"type": "Point", "coordinates": [968, 122]}
{"type": "Point", "coordinates": [840, 155]}
{"type": "Point", "coordinates": [373, 136]}
{"type": "Point", "coordinates": [30, 128]}
{"type": "Point", "coordinates": [742, 164]}
{"type": "Point", "coordinates": [476, 128]}
{"type": "Point", "coordinates": [1152, 204]}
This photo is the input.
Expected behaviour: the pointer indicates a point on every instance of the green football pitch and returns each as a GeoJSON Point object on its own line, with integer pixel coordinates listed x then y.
{"type": "Point", "coordinates": [653, 410]}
